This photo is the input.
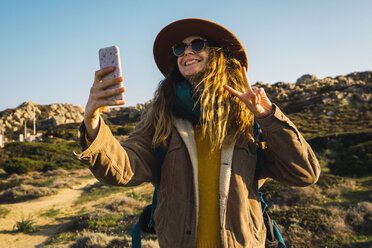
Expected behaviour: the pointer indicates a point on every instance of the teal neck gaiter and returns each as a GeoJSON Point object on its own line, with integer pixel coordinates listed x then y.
{"type": "Point", "coordinates": [184, 99]}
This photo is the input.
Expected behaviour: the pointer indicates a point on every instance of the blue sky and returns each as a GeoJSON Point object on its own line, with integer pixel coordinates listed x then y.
{"type": "Point", "coordinates": [49, 48]}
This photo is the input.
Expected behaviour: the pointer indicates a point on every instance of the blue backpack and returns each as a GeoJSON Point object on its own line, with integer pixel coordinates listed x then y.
{"type": "Point", "coordinates": [146, 222]}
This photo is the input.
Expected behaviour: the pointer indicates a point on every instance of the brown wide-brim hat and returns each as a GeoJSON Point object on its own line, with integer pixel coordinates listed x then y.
{"type": "Point", "coordinates": [181, 29]}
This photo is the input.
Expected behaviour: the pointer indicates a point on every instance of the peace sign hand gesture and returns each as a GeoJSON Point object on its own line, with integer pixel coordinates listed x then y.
{"type": "Point", "coordinates": [256, 100]}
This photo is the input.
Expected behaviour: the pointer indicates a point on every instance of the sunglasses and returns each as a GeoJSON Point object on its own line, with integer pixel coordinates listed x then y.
{"type": "Point", "coordinates": [196, 46]}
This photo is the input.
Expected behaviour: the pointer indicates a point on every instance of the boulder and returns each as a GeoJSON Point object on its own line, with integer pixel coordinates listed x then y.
{"type": "Point", "coordinates": [307, 78]}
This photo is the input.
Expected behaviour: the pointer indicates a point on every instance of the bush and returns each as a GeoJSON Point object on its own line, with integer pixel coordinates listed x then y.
{"type": "Point", "coordinates": [64, 131]}
{"type": "Point", "coordinates": [310, 226]}
{"type": "Point", "coordinates": [100, 240]}
{"type": "Point", "coordinates": [22, 165]}
{"type": "Point", "coordinates": [23, 157]}
{"type": "Point", "coordinates": [125, 203]}
{"type": "Point", "coordinates": [299, 196]}
{"type": "Point", "coordinates": [125, 130]}
{"type": "Point", "coordinates": [25, 192]}
{"type": "Point", "coordinates": [355, 160]}
{"type": "Point", "coordinates": [25, 226]}
{"type": "Point", "coordinates": [95, 240]}
{"type": "Point", "coordinates": [271, 189]}
{"type": "Point", "coordinates": [327, 181]}
{"type": "Point", "coordinates": [312, 219]}
{"type": "Point", "coordinates": [360, 217]}
{"type": "Point", "coordinates": [98, 221]}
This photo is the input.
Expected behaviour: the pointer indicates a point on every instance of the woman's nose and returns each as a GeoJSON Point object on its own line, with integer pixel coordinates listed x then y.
{"type": "Point", "coordinates": [188, 50]}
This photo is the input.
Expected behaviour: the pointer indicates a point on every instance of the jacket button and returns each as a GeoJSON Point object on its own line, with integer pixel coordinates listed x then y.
{"type": "Point", "coordinates": [188, 232]}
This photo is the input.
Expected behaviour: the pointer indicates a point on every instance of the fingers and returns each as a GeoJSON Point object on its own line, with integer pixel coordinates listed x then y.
{"type": "Point", "coordinates": [102, 90]}
{"type": "Point", "coordinates": [233, 91]}
{"type": "Point", "coordinates": [100, 105]}
{"type": "Point", "coordinates": [103, 103]}
{"type": "Point", "coordinates": [246, 81]}
{"type": "Point", "coordinates": [109, 92]}
{"type": "Point", "coordinates": [99, 97]}
{"type": "Point", "coordinates": [100, 73]}
{"type": "Point", "coordinates": [98, 88]}
{"type": "Point", "coordinates": [257, 97]}
{"type": "Point", "coordinates": [109, 82]}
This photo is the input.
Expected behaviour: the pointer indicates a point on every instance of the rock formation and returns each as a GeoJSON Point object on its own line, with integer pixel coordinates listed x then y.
{"type": "Point", "coordinates": [49, 116]}
{"type": "Point", "coordinates": [310, 96]}
{"type": "Point", "coordinates": [46, 116]}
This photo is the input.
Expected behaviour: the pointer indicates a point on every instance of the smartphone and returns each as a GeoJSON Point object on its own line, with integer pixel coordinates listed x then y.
{"type": "Point", "coordinates": [110, 56]}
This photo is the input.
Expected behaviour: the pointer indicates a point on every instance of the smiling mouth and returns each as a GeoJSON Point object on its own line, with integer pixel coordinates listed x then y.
{"type": "Point", "coordinates": [191, 62]}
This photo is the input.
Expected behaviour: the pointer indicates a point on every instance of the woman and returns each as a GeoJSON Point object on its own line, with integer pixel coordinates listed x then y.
{"type": "Point", "coordinates": [202, 116]}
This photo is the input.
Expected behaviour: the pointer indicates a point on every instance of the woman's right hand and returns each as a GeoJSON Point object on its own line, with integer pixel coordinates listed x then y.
{"type": "Point", "coordinates": [98, 102]}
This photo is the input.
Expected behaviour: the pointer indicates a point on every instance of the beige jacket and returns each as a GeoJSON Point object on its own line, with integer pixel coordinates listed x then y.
{"type": "Point", "coordinates": [290, 160]}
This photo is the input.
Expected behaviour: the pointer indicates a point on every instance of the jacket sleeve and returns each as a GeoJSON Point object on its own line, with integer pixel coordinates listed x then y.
{"type": "Point", "coordinates": [289, 159]}
{"type": "Point", "coordinates": [127, 164]}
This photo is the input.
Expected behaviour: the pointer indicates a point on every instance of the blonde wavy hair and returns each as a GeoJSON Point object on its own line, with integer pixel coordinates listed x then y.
{"type": "Point", "coordinates": [224, 117]}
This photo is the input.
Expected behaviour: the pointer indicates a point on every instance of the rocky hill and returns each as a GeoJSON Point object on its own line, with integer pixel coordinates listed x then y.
{"type": "Point", "coordinates": [329, 106]}
{"type": "Point", "coordinates": [46, 116]}
{"type": "Point", "coordinates": [49, 117]}
{"type": "Point", "coordinates": [319, 107]}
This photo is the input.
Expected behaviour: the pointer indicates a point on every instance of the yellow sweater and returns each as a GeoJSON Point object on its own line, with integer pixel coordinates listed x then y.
{"type": "Point", "coordinates": [208, 232]}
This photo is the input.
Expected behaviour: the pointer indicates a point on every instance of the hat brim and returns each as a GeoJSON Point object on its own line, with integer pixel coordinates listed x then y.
{"type": "Point", "coordinates": [179, 30]}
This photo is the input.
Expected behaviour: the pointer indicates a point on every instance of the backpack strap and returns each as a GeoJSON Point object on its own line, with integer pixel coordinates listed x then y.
{"type": "Point", "coordinates": [258, 137]}
{"type": "Point", "coordinates": [273, 232]}
{"type": "Point", "coordinates": [136, 236]}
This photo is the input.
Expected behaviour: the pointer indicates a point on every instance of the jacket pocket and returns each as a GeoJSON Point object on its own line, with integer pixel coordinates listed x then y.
{"type": "Point", "coordinates": [244, 162]}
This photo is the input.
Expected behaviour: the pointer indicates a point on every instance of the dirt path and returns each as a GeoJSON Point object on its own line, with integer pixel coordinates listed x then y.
{"type": "Point", "coordinates": [63, 202]}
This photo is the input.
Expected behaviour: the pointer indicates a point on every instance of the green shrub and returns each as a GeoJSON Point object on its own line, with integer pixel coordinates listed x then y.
{"type": "Point", "coordinates": [25, 226]}
{"type": "Point", "coordinates": [140, 196]}
{"type": "Point", "coordinates": [22, 165]}
{"type": "Point", "coordinates": [327, 181]}
{"type": "Point", "coordinates": [24, 157]}
{"type": "Point", "coordinates": [4, 184]}
{"type": "Point", "coordinates": [271, 189]}
{"type": "Point", "coordinates": [64, 131]}
{"type": "Point", "coordinates": [97, 221]}
{"type": "Point", "coordinates": [355, 160]}
{"type": "Point", "coordinates": [312, 219]}
{"type": "Point", "coordinates": [125, 130]}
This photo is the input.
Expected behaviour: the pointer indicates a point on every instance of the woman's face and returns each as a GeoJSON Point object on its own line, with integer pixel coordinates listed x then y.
{"type": "Point", "coordinates": [192, 63]}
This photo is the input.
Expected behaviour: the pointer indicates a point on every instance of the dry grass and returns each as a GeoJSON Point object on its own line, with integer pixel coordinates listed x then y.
{"type": "Point", "coordinates": [57, 172]}
{"type": "Point", "coordinates": [360, 217]}
{"type": "Point", "coordinates": [59, 178]}
{"type": "Point", "coordinates": [100, 240]}
{"type": "Point", "coordinates": [299, 196]}
{"type": "Point", "coordinates": [96, 240]}
{"type": "Point", "coordinates": [68, 182]}
{"type": "Point", "coordinates": [327, 214]}
{"type": "Point", "coordinates": [24, 192]}
{"type": "Point", "coordinates": [125, 203]}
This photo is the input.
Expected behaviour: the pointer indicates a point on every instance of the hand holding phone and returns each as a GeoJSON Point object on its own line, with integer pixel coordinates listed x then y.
{"type": "Point", "coordinates": [110, 57]}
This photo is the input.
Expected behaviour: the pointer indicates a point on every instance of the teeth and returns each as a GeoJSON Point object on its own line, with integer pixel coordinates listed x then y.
{"type": "Point", "coordinates": [191, 62]}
